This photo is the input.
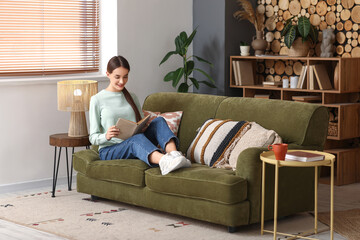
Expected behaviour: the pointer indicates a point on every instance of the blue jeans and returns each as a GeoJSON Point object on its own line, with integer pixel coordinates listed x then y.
{"type": "Point", "coordinates": [143, 144]}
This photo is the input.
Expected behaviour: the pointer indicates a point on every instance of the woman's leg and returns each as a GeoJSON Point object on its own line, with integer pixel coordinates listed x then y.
{"type": "Point", "coordinates": [137, 146]}
{"type": "Point", "coordinates": [159, 133]}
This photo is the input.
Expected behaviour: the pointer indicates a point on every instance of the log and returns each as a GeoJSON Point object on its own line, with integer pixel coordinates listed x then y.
{"type": "Point", "coordinates": [279, 26]}
{"type": "Point", "coordinates": [274, 2]}
{"type": "Point", "coordinates": [331, 2]}
{"type": "Point", "coordinates": [297, 67]}
{"type": "Point", "coordinates": [355, 35]}
{"type": "Point", "coordinates": [276, 8]}
{"type": "Point", "coordinates": [339, 26]}
{"type": "Point", "coordinates": [340, 37]}
{"type": "Point", "coordinates": [355, 52]}
{"type": "Point", "coordinates": [294, 7]}
{"type": "Point", "coordinates": [323, 25]}
{"type": "Point", "coordinates": [348, 34]}
{"type": "Point", "coordinates": [269, 78]}
{"type": "Point", "coordinates": [315, 20]}
{"type": "Point", "coordinates": [354, 43]}
{"type": "Point", "coordinates": [357, 1]}
{"type": "Point", "coordinates": [284, 4]}
{"type": "Point", "coordinates": [287, 15]}
{"type": "Point", "coordinates": [269, 36]}
{"type": "Point", "coordinates": [346, 55]}
{"type": "Point", "coordinates": [303, 12]}
{"type": "Point", "coordinates": [277, 35]}
{"type": "Point", "coordinates": [269, 11]}
{"type": "Point", "coordinates": [268, 2]}
{"type": "Point", "coordinates": [311, 10]}
{"type": "Point", "coordinates": [269, 63]}
{"type": "Point", "coordinates": [277, 78]}
{"type": "Point", "coordinates": [339, 8]}
{"type": "Point", "coordinates": [305, 3]}
{"type": "Point", "coordinates": [349, 41]}
{"type": "Point", "coordinates": [279, 67]}
{"type": "Point", "coordinates": [270, 24]}
{"type": "Point", "coordinates": [284, 51]}
{"type": "Point", "coordinates": [333, 8]}
{"type": "Point", "coordinates": [355, 26]}
{"type": "Point", "coordinates": [307, 15]}
{"type": "Point", "coordinates": [267, 71]}
{"type": "Point", "coordinates": [280, 12]}
{"type": "Point", "coordinates": [348, 48]}
{"type": "Point", "coordinates": [288, 70]}
{"type": "Point", "coordinates": [348, 25]}
{"type": "Point", "coordinates": [275, 46]}
{"type": "Point", "coordinates": [340, 49]}
{"type": "Point", "coordinates": [284, 77]}
{"type": "Point", "coordinates": [261, 9]}
{"type": "Point", "coordinates": [330, 18]}
{"type": "Point", "coordinates": [321, 8]}
{"type": "Point", "coordinates": [355, 14]}
{"type": "Point", "coordinates": [345, 14]}
{"type": "Point", "coordinates": [272, 71]}
{"type": "Point", "coordinates": [313, 2]}
{"type": "Point", "coordinates": [347, 3]}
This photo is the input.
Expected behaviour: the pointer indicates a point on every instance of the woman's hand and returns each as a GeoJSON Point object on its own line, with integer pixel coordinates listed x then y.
{"type": "Point", "coordinates": [112, 132]}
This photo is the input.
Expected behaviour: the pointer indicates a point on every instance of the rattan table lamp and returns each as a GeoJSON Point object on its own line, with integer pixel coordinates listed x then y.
{"type": "Point", "coordinates": [74, 96]}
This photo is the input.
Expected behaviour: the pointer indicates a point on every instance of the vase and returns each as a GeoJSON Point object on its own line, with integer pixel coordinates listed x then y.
{"type": "Point", "coordinates": [245, 50]}
{"type": "Point", "coordinates": [299, 48]}
{"type": "Point", "coordinates": [259, 44]}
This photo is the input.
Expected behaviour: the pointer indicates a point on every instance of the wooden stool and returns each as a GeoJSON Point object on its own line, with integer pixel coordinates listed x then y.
{"type": "Point", "coordinates": [63, 140]}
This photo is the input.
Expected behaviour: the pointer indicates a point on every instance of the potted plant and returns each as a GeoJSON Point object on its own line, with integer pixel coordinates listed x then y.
{"type": "Point", "coordinates": [297, 36]}
{"type": "Point", "coordinates": [182, 43]}
{"type": "Point", "coordinates": [244, 48]}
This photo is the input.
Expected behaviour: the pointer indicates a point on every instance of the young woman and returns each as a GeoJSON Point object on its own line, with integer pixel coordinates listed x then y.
{"type": "Point", "coordinates": [115, 102]}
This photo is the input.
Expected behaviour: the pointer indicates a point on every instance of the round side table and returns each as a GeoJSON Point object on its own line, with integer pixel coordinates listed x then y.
{"type": "Point", "coordinates": [269, 158]}
{"type": "Point", "coordinates": [63, 140]}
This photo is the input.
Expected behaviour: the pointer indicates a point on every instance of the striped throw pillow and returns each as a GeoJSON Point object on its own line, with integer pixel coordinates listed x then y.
{"type": "Point", "coordinates": [214, 139]}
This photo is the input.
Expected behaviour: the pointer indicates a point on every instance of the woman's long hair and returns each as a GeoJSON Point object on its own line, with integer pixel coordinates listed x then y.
{"type": "Point", "coordinates": [120, 61]}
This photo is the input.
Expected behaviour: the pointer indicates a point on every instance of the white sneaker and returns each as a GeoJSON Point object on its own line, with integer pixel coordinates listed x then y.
{"type": "Point", "coordinates": [177, 154]}
{"type": "Point", "coordinates": [169, 163]}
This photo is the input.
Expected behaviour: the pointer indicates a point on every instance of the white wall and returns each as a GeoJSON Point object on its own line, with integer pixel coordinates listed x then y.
{"type": "Point", "coordinates": [28, 112]}
{"type": "Point", "coordinates": [147, 30]}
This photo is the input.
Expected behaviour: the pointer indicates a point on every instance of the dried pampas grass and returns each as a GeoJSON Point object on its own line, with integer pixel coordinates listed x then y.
{"type": "Point", "coordinates": [248, 13]}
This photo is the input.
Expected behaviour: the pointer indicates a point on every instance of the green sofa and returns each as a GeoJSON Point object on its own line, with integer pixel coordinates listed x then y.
{"type": "Point", "coordinates": [226, 197]}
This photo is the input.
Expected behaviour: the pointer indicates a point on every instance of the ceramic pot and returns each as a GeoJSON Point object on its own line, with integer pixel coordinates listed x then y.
{"type": "Point", "coordinates": [245, 50]}
{"type": "Point", "coordinates": [299, 48]}
{"type": "Point", "coordinates": [259, 44]}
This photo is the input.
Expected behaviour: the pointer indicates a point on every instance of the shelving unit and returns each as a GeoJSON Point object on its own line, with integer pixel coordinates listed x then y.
{"type": "Point", "coordinates": [342, 101]}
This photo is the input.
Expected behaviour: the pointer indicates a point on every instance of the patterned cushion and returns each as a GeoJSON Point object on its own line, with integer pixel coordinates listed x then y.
{"type": "Point", "coordinates": [172, 119]}
{"type": "Point", "coordinates": [214, 139]}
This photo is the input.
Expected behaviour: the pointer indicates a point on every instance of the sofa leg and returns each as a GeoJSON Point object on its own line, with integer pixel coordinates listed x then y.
{"type": "Point", "coordinates": [232, 229]}
{"type": "Point", "coordinates": [94, 198]}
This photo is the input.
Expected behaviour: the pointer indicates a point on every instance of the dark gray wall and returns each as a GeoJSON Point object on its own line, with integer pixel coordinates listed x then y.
{"type": "Point", "coordinates": [218, 38]}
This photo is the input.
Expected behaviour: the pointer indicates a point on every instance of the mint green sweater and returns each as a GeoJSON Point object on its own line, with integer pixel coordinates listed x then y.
{"type": "Point", "coordinates": [105, 109]}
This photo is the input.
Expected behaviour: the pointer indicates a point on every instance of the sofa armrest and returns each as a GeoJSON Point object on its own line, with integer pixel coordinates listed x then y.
{"type": "Point", "coordinates": [296, 185]}
{"type": "Point", "coordinates": [83, 158]}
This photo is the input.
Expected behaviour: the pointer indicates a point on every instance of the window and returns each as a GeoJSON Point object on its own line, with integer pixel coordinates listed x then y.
{"type": "Point", "coordinates": [43, 37]}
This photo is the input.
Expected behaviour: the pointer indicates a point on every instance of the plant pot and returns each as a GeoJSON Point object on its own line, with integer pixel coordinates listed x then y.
{"type": "Point", "coordinates": [299, 48]}
{"type": "Point", "coordinates": [245, 50]}
{"type": "Point", "coordinates": [259, 44]}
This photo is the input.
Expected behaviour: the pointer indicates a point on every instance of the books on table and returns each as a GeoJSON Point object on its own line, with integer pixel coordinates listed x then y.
{"type": "Point", "coordinates": [303, 156]}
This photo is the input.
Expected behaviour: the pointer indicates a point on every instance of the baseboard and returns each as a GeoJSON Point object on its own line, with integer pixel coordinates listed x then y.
{"type": "Point", "coordinates": [22, 186]}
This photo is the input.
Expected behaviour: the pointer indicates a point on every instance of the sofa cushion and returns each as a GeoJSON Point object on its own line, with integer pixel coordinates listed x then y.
{"type": "Point", "coordinates": [172, 119]}
{"type": "Point", "coordinates": [199, 181]}
{"type": "Point", "coordinates": [128, 171]}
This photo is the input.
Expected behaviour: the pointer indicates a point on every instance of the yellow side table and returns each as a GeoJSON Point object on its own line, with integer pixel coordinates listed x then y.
{"type": "Point", "coordinates": [269, 157]}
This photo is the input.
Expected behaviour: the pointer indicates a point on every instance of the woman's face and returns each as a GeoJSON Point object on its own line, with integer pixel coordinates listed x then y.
{"type": "Point", "coordinates": [118, 79]}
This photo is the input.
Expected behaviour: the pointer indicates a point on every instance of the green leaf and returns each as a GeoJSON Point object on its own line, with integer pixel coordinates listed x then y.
{"type": "Point", "coordinates": [304, 26]}
{"type": "Point", "coordinates": [203, 60]}
{"type": "Point", "coordinates": [204, 73]}
{"type": "Point", "coordinates": [189, 67]}
{"type": "Point", "coordinates": [195, 82]}
{"type": "Point", "coordinates": [179, 45]}
{"type": "Point", "coordinates": [314, 33]}
{"type": "Point", "coordinates": [191, 37]}
{"type": "Point", "coordinates": [290, 36]}
{"type": "Point", "coordinates": [179, 73]}
{"type": "Point", "coordinates": [183, 88]}
{"type": "Point", "coordinates": [167, 56]}
{"type": "Point", "coordinates": [183, 37]}
{"type": "Point", "coordinates": [287, 26]}
{"type": "Point", "coordinates": [208, 84]}
{"type": "Point", "coordinates": [171, 76]}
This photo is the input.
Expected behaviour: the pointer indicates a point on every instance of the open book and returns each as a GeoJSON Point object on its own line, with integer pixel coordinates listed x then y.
{"type": "Point", "coordinates": [129, 128]}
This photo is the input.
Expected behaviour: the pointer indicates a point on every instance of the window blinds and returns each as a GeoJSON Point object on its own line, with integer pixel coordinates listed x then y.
{"type": "Point", "coordinates": [41, 37]}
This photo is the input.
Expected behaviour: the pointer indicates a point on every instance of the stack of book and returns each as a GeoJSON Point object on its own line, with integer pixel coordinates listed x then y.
{"type": "Point", "coordinates": [303, 156]}
{"type": "Point", "coordinates": [308, 99]}
{"type": "Point", "coordinates": [243, 73]}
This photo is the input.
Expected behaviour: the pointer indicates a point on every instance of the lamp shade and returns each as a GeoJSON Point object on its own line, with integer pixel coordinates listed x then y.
{"type": "Point", "coordinates": [74, 95]}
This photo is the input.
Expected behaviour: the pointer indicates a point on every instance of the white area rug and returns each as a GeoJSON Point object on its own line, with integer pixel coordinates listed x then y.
{"type": "Point", "coordinates": [74, 216]}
